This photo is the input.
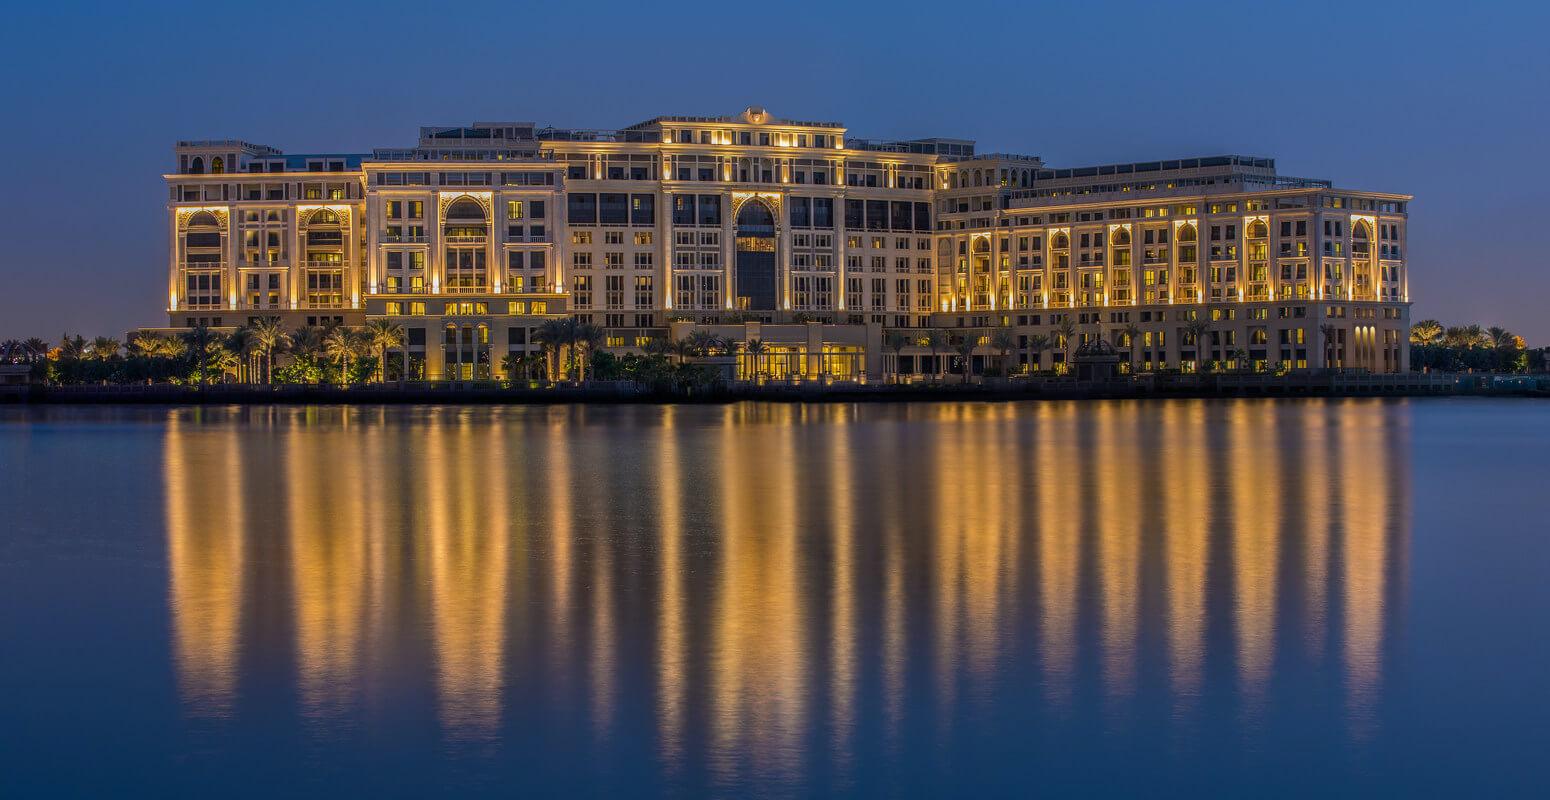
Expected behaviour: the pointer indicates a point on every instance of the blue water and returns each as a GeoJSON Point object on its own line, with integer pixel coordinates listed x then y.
{"type": "Point", "coordinates": [1254, 598]}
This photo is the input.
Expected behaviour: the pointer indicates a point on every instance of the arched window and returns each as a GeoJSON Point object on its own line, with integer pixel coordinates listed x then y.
{"type": "Point", "coordinates": [203, 219]}
{"type": "Point", "coordinates": [1258, 229]}
{"type": "Point", "coordinates": [1187, 233]}
{"type": "Point", "coordinates": [217, 165]}
{"type": "Point", "coordinates": [981, 245]}
{"type": "Point", "coordinates": [323, 216]}
{"type": "Point", "coordinates": [1060, 241]}
{"type": "Point", "coordinates": [465, 208]}
{"type": "Point", "coordinates": [197, 166]}
{"type": "Point", "coordinates": [755, 219]}
{"type": "Point", "coordinates": [1120, 238]}
{"type": "Point", "coordinates": [1360, 246]}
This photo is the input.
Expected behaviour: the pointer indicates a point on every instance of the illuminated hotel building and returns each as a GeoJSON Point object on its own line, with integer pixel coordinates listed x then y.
{"type": "Point", "coordinates": [818, 244]}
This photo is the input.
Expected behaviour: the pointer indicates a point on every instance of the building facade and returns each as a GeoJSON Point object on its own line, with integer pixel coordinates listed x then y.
{"type": "Point", "coordinates": [824, 247]}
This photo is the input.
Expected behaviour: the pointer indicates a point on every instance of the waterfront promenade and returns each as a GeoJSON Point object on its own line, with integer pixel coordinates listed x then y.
{"type": "Point", "coordinates": [1332, 384]}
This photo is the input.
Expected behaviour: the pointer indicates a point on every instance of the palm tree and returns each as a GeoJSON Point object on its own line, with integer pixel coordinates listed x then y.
{"type": "Point", "coordinates": [703, 342]}
{"type": "Point", "coordinates": [104, 348]}
{"type": "Point", "coordinates": [964, 347]}
{"type": "Point", "coordinates": [553, 336]}
{"type": "Point", "coordinates": [172, 348]}
{"type": "Point", "coordinates": [267, 336]}
{"type": "Point", "coordinates": [197, 342]}
{"type": "Point", "coordinates": [591, 339]}
{"type": "Point", "coordinates": [756, 350]}
{"type": "Point", "coordinates": [1475, 336]}
{"type": "Point", "coordinates": [1506, 345]}
{"type": "Point", "coordinates": [895, 342]}
{"type": "Point", "coordinates": [1425, 333]}
{"type": "Point", "coordinates": [1328, 331]}
{"type": "Point", "coordinates": [145, 345]}
{"type": "Point", "coordinates": [383, 335]}
{"type": "Point", "coordinates": [684, 349]}
{"type": "Point", "coordinates": [72, 348]}
{"type": "Point", "coordinates": [1037, 344]}
{"type": "Point", "coordinates": [936, 340]}
{"type": "Point", "coordinates": [658, 346]}
{"type": "Point", "coordinates": [240, 342]}
{"type": "Point", "coordinates": [340, 344]}
{"type": "Point", "coordinates": [37, 347]}
{"type": "Point", "coordinates": [307, 341]}
{"type": "Point", "coordinates": [219, 358]}
{"type": "Point", "coordinates": [519, 364]}
{"type": "Point", "coordinates": [1131, 332]}
{"type": "Point", "coordinates": [1063, 333]}
{"type": "Point", "coordinates": [1003, 341]}
{"type": "Point", "coordinates": [1197, 329]}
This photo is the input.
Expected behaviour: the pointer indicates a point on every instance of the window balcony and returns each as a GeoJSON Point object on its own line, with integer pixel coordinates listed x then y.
{"type": "Point", "coordinates": [401, 238]}
{"type": "Point", "coordinates": [467, 238]}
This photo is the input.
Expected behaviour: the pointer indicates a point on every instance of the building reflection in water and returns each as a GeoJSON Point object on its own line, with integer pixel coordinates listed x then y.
{"type": "Point", "coordinates": [757, 579]}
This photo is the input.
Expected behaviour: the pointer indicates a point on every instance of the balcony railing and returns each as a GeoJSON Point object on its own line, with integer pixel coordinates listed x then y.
{"type": "Point", "coordinates": [383, 288]}
{"type": "Point", "coordinates": [399, 238]}
{"type": "Point", "coordinates": [467, 238]}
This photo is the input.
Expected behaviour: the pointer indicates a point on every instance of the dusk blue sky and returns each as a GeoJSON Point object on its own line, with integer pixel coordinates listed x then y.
{"type": "Point", "coordinates": [1446, 101]}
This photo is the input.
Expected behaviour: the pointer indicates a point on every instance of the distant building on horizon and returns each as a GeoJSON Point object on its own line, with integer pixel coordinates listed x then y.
{"type": "Point", "coordinates": [820, 245]}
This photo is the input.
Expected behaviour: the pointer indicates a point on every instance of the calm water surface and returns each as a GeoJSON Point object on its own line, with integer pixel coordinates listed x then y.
{"type": "Point", "coordinates": [1255, 597]}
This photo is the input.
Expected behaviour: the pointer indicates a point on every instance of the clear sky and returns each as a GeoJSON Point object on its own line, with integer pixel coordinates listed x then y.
{"type": "Point", "coordinates": [1446, 101]}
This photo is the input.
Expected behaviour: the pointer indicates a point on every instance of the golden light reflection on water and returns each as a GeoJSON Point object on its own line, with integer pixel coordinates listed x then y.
{"type": "Point", "coordinates": [205, 556]}
{"type": "Point", "coordinates": [328, 567]}
{"type": "Point", "coordinates": [758, 653]}
{"type": "Point", "coordinates": [1251, 480]}
{"type": "Point", "coordinates": [1186, 526]}
{"type": "Point", "coordinates": [749, 577]}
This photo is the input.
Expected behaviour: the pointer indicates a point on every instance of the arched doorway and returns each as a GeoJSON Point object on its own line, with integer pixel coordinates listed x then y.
{"type": "Point", "coordinates": [755, 264]}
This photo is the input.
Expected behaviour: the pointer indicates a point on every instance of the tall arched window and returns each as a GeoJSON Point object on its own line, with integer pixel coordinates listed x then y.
{"type": "Point", "coordinates": [1360, 236]}
{"type": "Point", "coordinates": [197, 166]}
{"type": "Point", "coordinates": [217, 165]}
